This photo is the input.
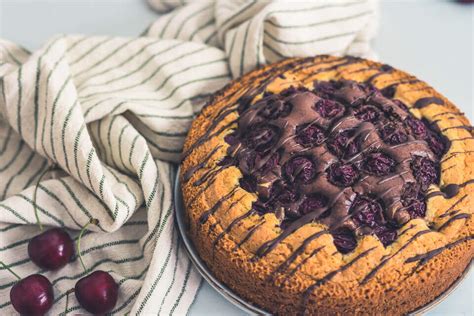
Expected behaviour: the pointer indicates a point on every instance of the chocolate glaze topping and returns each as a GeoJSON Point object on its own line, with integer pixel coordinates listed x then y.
{"type": "Point", "coordinates": [343, 154]}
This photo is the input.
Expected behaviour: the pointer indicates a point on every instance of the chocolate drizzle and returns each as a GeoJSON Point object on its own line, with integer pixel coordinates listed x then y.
{"type": "Point", "coordinates": [374, 271]}
{"type": "Point", "coordinates": [331, 274]}
{"type": "Point", "coordinates": [423, 102]}
{"type": "Point", "coordinates": [312, 155]}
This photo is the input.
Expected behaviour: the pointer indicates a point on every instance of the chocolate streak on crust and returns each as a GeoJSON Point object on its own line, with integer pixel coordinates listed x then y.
{"type": "Point", "coordinates": [216, 206]}
{"type": "Point", "coordinates": [454, 218]}
{"type": "Point", "coordinates": [449, 191]}
{"type": "Point", "coordinates": [297, 252]}
{"type": "Point", "coordinates": [424, 258]}
{"type": "Point", "coordinates": [432, 253]}
{"type": "Point", "coordinates": [330, 275]}
{"type": "Point", "coordinates": [421, 103]}
{"type": "Point", "coordinates": [372, 273]}
{"type": "Point", "coordinates": [191, 170]}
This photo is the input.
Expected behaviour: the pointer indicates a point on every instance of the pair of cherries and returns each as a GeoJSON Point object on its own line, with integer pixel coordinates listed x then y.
{"type": "Point", "coordinates": [51, 250]}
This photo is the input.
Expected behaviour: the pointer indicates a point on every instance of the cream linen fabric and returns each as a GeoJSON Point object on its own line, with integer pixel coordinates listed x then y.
{"type": "Point", "coordinates": [112, 114]}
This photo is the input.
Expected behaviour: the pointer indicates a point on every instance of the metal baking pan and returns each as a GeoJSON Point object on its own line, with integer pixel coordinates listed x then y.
{"type": "Point", "coordinates": [231, 296]}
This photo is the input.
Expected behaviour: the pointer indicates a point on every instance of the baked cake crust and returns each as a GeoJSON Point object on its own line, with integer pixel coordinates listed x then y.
{"type": "Point", "coordinates": [304, 273]}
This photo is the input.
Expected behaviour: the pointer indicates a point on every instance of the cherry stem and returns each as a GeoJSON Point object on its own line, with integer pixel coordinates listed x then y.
{"type": "Point", "coordinates": [67, 301]}
{"type": "Point", "coordinates": [94, 222]}
{"type": "Point", "coordinates": [35, 194]}
{"type": "Point", "coordinates": [11, 271]}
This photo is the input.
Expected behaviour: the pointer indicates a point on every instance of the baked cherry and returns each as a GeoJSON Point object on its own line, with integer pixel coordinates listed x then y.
{"type": "Point", "coordinates": [300, 169]}
{"type": "Point", "coordinates": [33, 295]}
{"type": "Point", "coordinates": [367, 113]}
{"type": "Point", "coordinates": [378, 164]}
{"type": "Point", "coordinates": [412, 200]}
{"type": "Point", "coordinates": [287, 196]}
{"type": "Point", "coordinates": [366, 211]}
{"type": "Point", "coordinates": [292, 90]}
{"type": "Point", "coordinates": [344, 240]}
{"type": "Point", "coordinates": [410, 191]}
{"type": "Point", "coordinates": [393, 134]}
{"type": "Point", "coordinates": [52, 249]}
{"type": "Point", "coordinates": [417, 127]}
{"type": "Point", "coordinates": [313, 202]}
{"type": "Point", "coordinates": [425, 171]}
{"type": "Point", "coordinates": [342, 175]}
{"type": "Point", "coordinates": [328, 108]}
{"type": "Point", "coordinates": [261, 138]}
{"type": "Point", "coordinates": [417, 208]}
{"type": "Point", "coordinates": [97, 293]}
{"type": "Point", "coordinates": [266, 164]}
{"type": "Point", "coordinates": [248, 183]}
{"type": "Point", "coordinates": [309, 135]}
{"type": "Point", "coordinates": [343, 144]}
{"type": "Point", "coordinates": [437, 143]}
{"type": "Point", "coordinates": [274, 108]}
{"type": "Point", "coordinates": [385, 234]}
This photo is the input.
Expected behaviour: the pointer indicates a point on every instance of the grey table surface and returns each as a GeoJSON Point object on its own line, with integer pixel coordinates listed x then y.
{"type": "Point", "coordinates": [431, 39]}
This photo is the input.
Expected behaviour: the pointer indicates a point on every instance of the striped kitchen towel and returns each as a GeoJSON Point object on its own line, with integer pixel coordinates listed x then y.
{"type": "Point", "coordinates": [106, 117]}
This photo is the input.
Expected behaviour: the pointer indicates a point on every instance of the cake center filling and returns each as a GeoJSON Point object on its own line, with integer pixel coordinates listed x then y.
{"type": "Point", "coordinates": [342, 154]}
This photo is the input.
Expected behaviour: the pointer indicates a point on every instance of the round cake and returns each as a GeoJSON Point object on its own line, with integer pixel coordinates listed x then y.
{"type": "Point", "coordinates": [331, 185]}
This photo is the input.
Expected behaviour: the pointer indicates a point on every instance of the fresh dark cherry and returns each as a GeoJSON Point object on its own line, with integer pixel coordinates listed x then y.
{"type": "Point", "coordinates": [342, 175]}
{"type": "Point", "coordinates": [52, 249]}
{"type": "Point", "coordinates": [261, 138]}
{"type": "Point", "coordinates": [343, 145]}
{"type": "Point", "coordinates": [312, 202]}
{"type": "Point", "coordinates": [366, 211]}
{"type": "Point", "coordinates": [393, 134]}
{"type": "Point", "coordinates": [97, 293]}
{"type": "Point", "coordinates": [417, 127]}
{"type": "Point", "coordinates": [386, 235]}
{"type": "Point", "coordinates": [328, 108]}
{"type": "Point", "coordinates": [300, 169]}
{"type": "Point", "coordinates": [309, 135]}
{"type": "Point", "coordinates": [32, 295]}
{"type": "Point", "coordinates": [425, 171]}
{"type": "Point", "coordinates": [344, 240]}
{"type": "Point", "coordinates": [378, 164]}
{"type": "Point", "coordinates": [275, 108]}
{"type": "Point", "coordinates": [367, 113]}
{"type": "Point", "coordinates": [437, 143]}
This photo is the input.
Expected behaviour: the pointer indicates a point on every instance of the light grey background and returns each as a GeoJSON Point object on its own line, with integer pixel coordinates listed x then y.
{"type": "Point", "coordinates": [429, 38]}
